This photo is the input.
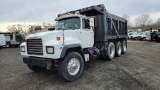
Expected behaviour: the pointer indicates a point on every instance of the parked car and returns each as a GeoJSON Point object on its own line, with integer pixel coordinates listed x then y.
{"type": "Point", "coordinates": [133, 36]}
{"type": "Point", "coordinates": [142, 35]}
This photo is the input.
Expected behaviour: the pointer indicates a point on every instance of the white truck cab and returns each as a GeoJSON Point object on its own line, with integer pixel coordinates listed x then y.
{"type": "Point", "coordinates": [80, 36]}
{"type": "Point", "coordinates": [72, 30]}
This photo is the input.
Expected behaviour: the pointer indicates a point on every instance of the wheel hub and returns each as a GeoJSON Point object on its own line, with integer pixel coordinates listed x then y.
{"type": "Point", "coordinates": [124, 46]}
{"type": "Point", "coordinates": [112, 51]}
{"type": "Point", "coordinates": [73, 66]}
{"type": "Point", "coordinates": [119, 49]}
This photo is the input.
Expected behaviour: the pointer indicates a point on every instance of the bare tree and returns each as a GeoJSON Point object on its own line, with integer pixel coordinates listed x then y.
{"type": "Point", "coordinates": [11, 28]}
{"type": "Point", "coordinates": [18, 28]}
{"type": "Point", "coordinates": [143, 21]}
{"type": "Point", "coordinates": [127, 17]}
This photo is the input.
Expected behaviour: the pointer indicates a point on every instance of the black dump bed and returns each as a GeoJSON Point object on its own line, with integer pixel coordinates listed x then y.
{"type": "Point", "coordinates": [107, 26]}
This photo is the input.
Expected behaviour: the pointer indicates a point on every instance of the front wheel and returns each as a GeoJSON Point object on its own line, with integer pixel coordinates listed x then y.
{"type": "Point", "coordinates": [71, 67]}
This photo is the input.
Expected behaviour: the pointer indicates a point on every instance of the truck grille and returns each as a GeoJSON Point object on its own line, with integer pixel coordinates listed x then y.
{"type": "Point", "coordinates": [35, 47]}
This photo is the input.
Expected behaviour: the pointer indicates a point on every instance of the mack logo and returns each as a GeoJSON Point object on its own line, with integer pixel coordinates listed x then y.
{"type": "Point", "coordinates": [33, 38]}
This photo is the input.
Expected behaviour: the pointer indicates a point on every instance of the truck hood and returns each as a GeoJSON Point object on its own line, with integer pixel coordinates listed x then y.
{"type": "Point", "coordinates": [50, 36]}
{"type": "Point", "coordinates": [41, 34]}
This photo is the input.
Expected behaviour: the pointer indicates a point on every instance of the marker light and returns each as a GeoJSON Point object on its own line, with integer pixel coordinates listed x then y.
{"type": "Point", "coordinates": [77, 12]}
{"type": "Point", "coordinates": [59, 15]}
{"type": "Point", "coordinates": [90, 8]}
{"type": "Point", "coordinates": [64, 14]}
{"type": "Point", "coordinates": [68, 13]}
{"type": "Point", "coordinates": [58, 38]}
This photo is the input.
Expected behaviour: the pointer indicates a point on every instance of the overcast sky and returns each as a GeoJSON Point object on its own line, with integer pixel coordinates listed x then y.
{"type": "Point", "coordinates": [39, 11]}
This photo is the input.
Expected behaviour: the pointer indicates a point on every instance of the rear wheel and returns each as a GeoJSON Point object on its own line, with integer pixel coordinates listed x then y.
{"type": "Point", "coordinates": [110, 52]}
{"type": "Point", "coordinates": [124, 46]}
{"type": "Point", "coordinates": [118, 49]}
{"type": "Point", "coordinates": [71, 67]}
{"type": "Point", "coordinates": [35, 68]}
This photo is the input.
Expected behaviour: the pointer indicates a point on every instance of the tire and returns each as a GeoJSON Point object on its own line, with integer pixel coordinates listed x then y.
{"type": "Point", "coordinates": [124, 46]}
{"type": "Point", "coordinates": [135, 38]}
{"type": "Point", "coordinates": [144, 38]}
{"type": "Point", "coordinates": [8, 45]}
{"type": "Point", "coordinates": [157, 39]}
{"type": "Point", "coordinates": [109, 53]}
{"type": "Point", "coordinates": [35, 68]}
{"type": "Point", "coordinates": [118, 49]}
{"type": "Point", "coordinates": [71, 67]}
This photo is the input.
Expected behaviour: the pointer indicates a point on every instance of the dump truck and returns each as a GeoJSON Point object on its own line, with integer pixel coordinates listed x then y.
{"type": "Point", "coordinates": [81, 36]}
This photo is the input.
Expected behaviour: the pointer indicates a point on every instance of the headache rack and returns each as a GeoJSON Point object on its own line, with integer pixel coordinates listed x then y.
{"type": "Point", "coordinates": [34, 47]}
{"type": "Point", "coordinates": [88, 11]}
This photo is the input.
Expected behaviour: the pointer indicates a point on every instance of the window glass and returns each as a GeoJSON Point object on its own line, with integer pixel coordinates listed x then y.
{"type": "Point", "coordinates": [86, 24]}
{"type": "Point", "coordinates": [69, 23]}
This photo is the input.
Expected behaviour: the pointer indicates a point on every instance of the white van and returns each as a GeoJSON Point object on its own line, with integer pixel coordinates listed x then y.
{"type": "Point", "coordinates": [2, 40]}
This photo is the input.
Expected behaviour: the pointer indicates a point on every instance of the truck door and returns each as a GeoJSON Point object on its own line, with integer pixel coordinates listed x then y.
{"type": "Point", "coordinates": [86, 34]}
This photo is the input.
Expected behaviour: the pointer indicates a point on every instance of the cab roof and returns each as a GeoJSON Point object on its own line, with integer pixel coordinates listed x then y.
{"type": "Point", "coordinates": [68, 16]}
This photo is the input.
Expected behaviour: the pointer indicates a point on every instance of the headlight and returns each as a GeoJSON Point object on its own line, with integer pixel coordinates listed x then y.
{"type": "Point", "coordinates": [22, 48]}
{"type": "Point", "coordinates": [50, 49]}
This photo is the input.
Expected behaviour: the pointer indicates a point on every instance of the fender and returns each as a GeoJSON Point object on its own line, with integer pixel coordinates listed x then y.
{"type": "Point", "coordinates": [65, 48]}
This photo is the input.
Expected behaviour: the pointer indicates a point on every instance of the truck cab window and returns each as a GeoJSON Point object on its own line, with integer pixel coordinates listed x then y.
{"type": "Point", "coordinates": [69, 23]}
{"type": "Point", "coordinates": [86, 24]}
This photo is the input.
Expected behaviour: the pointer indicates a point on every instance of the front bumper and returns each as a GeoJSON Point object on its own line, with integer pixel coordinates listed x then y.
{"type": "Point", "coordinates": [35, 61]}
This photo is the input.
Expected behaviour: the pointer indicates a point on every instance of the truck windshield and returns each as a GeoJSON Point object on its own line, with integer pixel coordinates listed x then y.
{"type": "Point", "coordinates": [69, 23]}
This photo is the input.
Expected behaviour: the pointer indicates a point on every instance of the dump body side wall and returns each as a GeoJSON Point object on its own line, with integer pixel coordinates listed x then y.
{"type": "Point", "coordinates": [105, 30]}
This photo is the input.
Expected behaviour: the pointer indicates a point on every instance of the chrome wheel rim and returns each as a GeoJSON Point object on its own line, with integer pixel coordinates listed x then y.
{"type": "Point", "coordinates": [119, 49]}
{"type": "Point", "coordinates": [124, 46]}
{"type": "Point", "coordinates": [73, 66]}
{"type": "Point", "coordinates": [112, 51]}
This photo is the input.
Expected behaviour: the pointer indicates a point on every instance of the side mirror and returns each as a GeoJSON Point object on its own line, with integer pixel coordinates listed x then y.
{"type": "Point", "coordinates": [91, 21]}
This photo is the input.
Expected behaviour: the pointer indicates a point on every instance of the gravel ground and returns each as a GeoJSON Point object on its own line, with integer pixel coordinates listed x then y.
{"type": "Point", "coordinates": [138, 69]}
